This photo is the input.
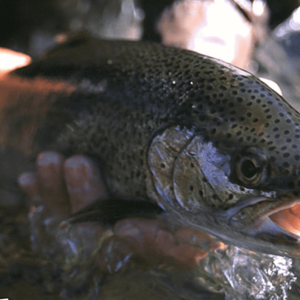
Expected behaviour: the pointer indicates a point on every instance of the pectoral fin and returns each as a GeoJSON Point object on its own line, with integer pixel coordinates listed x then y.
{"type": "Point", "coordinates": [111, 210]}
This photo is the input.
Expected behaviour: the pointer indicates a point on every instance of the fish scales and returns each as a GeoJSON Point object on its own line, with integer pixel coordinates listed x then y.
{"type": "Point", "coordinates": [199, 136]}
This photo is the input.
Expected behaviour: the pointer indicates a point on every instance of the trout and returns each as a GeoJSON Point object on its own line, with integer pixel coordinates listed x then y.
{"type": "Point", "coordinates": [210, 144]}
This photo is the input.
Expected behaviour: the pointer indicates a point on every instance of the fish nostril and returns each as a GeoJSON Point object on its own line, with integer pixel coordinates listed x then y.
{"type": "Point", "coordinates": [213, 131]}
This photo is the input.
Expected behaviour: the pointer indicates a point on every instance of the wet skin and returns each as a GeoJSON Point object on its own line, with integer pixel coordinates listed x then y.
{"type": "Point", "coordinates": [68, 185]}
{"type": "Point", "coordinates": [211, 144]}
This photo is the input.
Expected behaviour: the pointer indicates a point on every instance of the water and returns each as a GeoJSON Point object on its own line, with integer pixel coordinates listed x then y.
{"type": "Point", "coordinates": [231, 273]}
{"type": "Point", "coordinates": [243, 274]}
{"type": "Point", "coordinates": [67, 262]}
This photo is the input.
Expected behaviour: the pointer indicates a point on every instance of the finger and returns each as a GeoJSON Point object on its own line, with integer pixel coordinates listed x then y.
{"type": "Point", "coordinates": [139, 230]}
{"type": "Point", "coordinates": [52, 183]}
{"type": "Point", "coordinates": [186, 256]}
{"type": "Point", "coordinates": [10, 60]}
{"type": "Point", "coordinates": [186, 235]}
{"type": "Point", "coordinates": [84, 183]}
{"type": "Point", "coordinates": [151, 240]}
{"type": "Point", "coordinates": [28, 182]}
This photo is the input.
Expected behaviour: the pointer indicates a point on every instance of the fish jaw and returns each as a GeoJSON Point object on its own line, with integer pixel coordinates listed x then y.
{"type": "Point", "coordinates": [269, 225]}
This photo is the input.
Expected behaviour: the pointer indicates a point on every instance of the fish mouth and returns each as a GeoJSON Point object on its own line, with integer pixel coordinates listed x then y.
{"type": "Point", "coordinates": [273, 220]}
{"type": "Point", "coordinates": [288, 219]}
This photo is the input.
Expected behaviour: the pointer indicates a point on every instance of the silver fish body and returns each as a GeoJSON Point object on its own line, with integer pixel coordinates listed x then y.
{"type": "Point", "coordinates": [210, 143]}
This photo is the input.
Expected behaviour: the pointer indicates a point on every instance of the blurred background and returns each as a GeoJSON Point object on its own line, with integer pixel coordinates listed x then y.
{"type": "Point", "coordinates": [262, 36]}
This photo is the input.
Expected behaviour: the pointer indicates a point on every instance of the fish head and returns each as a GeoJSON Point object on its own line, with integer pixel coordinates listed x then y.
{"type": "Point", "coordinates": [240, 178]}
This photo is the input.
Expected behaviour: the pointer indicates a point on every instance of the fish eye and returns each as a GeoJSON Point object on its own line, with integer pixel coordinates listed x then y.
{"type": "Point", "coordinates": [251, 167]}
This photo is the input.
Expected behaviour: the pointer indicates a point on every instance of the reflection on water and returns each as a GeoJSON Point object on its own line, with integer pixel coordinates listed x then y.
{"type": "Point", "coordinates": [248, 275]}
{"type": "Point", "coordinates": [77, 250]}
{"type": "Point", "coordinates": [67, 262]}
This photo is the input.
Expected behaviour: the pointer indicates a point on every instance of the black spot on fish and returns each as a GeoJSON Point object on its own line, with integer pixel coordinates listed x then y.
{"type": "Point", "coordinates": [286, 164]}
{"type": "Point", "coordinates": [213, 131]}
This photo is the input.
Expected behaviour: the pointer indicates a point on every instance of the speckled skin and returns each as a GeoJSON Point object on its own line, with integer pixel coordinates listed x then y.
{"type": "Point", "coordinates": [129, 93]}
